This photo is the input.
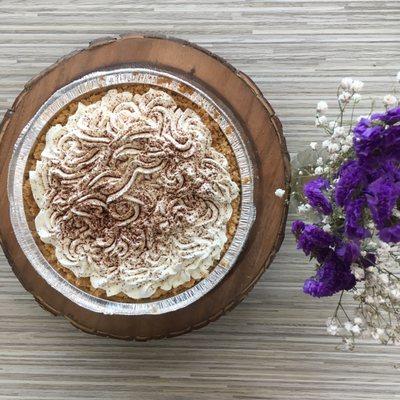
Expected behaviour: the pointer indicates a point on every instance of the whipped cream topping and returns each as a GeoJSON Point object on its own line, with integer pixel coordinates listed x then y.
{"type": "Point", "coordinates": [132, 194]}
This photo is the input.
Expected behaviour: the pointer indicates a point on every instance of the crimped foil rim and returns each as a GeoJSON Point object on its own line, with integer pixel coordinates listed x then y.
{"type": "Point", "coordinates": [142, 74]}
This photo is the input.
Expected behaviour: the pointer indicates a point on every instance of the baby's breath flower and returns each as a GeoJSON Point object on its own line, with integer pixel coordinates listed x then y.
{"type": "Point", "coordinates": [303, 208]}
{"type": "Point", "coordinates": [313, 145]}
{"type": "Point", "coordinates": [384, 278]}
{"type": "Point", "coordinates": [395, 293]}
{"type": "Point", "coordinates": [369, 299]}
{"type": "Point", "coordinates": [326, 143]}
{"type": "Point", "coordinates": [378, 334]}
{"type": "Point", "coordinates": [357, 85]}
{"type": "Point", "coordinates": [279, 192]}
{"type": "Point", "coordinates": [358, 321]}
{"type": "Point", "coordinates": [333, 148]}
{"type": "Point", "coordinates": [327, 228]}
{"type": "Point", "coordinates": [318, 171]}
{"type": "Point", "coordinates": [322, 107]}
{"type": "Point", "coordinates": [345, 148]}
{"type": "Point", "coordinates": [356, 329]}
{"type": "Point", "coordinates": [332, 330]}
{"type": "Point", "coordinates": [346, 83]}
{"type": "Point", "coordinates": [357, 97]}
{"type": "Point", "coordinates": [357, 271]}
{"type": "Point", "coordinates": [349, 140]}
{"type": "Point", "coordinates": [345, 97]}
{"type": "Point", "coordinates": [339, 131]}
{"type": "Point", "coordinates": [395, 212]}
{"type": "Point", "coordinates": [348, 326]}
{"type": "Point", "coordinates": [332, 326]}
{"type": "Point", "coordinates": [389, 100]}
{"type": "Point", "coordinates": [321, 121]}
{"type": "Point", "coordinates": [332, 124]}
{"type": "Point", "coordinates": [334, 156]}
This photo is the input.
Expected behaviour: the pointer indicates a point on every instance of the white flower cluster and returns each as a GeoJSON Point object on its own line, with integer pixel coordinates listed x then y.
{"type": "Point", "coordinates": [321, 120]}
{"type": "Point", "coordinates": [350, 90]}
{"type": "Point", "coordinates": [304, 208]}
{"type": "Point", "coordinates": [390, 101]}
{"type": "Point", "coordinates": [348, 330]}
{"type": "Point", "coordinates": [279, 192]}
{"type": "Point", "coordinates": [341, 138]}
{"type": "Point", "coordinates": [378, 298]}
{"type": "Point", "coordinates": [339, 143]}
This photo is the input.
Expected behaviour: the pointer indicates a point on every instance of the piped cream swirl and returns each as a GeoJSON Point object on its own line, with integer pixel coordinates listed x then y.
{"type": "Point", "coordinates": [132, 194]}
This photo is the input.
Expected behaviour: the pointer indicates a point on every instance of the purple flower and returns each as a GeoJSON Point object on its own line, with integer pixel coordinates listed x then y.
{"type": "Point", "coordinates": [388, 168]}
{"type": "Point", "coordinates": [352, 179]}
{"type": "Point", "coordinates": [382, 196]}
{"type": "Point", "coordinates": [354, 218]}
{"type": "Point", "coordinates": [316, 242]}
{"type": "Point", "coordinates": [391, 117]}
{"type": "Point", "coordinates": [348, 252]}
{"type": "Point", "coordinates": [377, 138]}
{"type": "Point", "coordinates": [315, 196]}
{"type": "Point", "coordinates": [390, 234]}
{"type": "Point", "coordinates": [317, 288]}
{"type": "Point", "coordinates": [368, 140]}
{"type": "Point", "coordinates": [392, 143]}
{"type": "Point", "coordinates": [298, 227]}
{"type": "Point", "coordinates": [334, 274]}
{"type": "Point", "coordinates": [332, 277]}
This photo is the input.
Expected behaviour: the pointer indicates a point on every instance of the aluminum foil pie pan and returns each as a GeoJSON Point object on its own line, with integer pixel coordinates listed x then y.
{"type": "Point", "coordinates": [135, 74]}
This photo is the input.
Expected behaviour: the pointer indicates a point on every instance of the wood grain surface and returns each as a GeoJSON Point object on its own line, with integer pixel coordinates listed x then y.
{"type": "Point", "coordinates": [273, 345]}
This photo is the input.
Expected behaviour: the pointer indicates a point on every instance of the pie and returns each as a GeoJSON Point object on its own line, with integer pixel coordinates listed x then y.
{"type": "Point", "coordinates": [132, 193]}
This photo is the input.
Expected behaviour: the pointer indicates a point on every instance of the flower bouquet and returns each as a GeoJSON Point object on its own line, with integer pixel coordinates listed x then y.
{"type": "Point", "coordinates": [348, 191]}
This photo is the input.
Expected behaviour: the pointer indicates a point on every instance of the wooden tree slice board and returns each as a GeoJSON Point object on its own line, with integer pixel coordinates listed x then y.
{"type": "Point", "coordinates": [262, 128]}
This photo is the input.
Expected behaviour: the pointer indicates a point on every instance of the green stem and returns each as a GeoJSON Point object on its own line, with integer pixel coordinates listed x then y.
{"type": "Point", "coordinates": [339, 304]}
